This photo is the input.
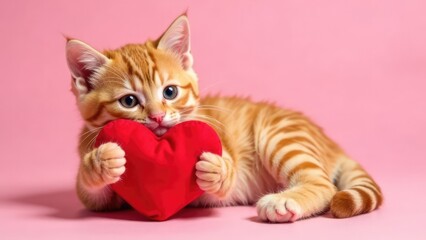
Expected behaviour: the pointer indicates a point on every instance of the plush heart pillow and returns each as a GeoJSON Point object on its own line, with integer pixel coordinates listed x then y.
{"type": "Point", "coordinates": [160, 171]}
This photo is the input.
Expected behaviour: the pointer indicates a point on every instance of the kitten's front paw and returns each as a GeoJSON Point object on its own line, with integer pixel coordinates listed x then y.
{"type": "Point", "coordinates": [110, 161]}
{"type": "Point", "coordinates": [213, 174]}
{"type": "Point", "coordinates": [105, 164]}
{"type": "Point", "coordinates": [278, 208]}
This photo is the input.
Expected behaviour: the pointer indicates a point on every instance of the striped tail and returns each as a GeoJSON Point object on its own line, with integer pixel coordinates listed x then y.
{"type": "Point", "coordinates": [358, 194]}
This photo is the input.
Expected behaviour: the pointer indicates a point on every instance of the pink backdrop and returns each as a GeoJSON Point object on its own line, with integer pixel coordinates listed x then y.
{"type": "Point", "coordinates": [356, 67]}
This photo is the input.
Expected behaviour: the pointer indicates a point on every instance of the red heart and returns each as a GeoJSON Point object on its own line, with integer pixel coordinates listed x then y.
{"type": "Point", "coordinates": [160, 171]}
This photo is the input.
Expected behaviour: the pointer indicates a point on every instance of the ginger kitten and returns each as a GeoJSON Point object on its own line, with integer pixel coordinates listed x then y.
{"type": "Point", "coordinates": [274, 157]}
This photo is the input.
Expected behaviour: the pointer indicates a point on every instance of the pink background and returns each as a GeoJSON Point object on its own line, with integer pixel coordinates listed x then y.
{"type": "Point", "coordinates": [356, 67]}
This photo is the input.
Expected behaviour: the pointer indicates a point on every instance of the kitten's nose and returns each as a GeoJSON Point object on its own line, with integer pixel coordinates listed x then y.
{"type": "Point", "coordinates": [158, 118]}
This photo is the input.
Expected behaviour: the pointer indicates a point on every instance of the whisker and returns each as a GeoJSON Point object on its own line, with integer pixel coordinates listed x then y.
{"type": "Point", "coordinates": [211, 85]}
{"type": "Point", "coordinates": [186, 111]}
{"type": "Point", "coordinates": [215, 109]}
{"type": "Point", "coordinates": [92, 141]}
{"type": "Point", "coordinates": [208, 118]}
{"type": "Point", "coordinates": [216, 124]}
{"type": "Point", "coordinates": [213, 106]}
{"type": "Point", "coordinates": [204, 108]}
{"type": "Point", "coordinates": [89, 132]}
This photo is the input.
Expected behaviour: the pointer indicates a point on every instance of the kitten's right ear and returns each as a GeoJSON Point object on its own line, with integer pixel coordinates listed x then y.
{"type": "Point", "coordinates": [176, 39]}
{"type": "Point", "coordinates": [84, 63]}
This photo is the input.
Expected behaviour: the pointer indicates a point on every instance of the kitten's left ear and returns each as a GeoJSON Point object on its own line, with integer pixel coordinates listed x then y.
{"type": "Point", "coordinates": [84, 63]}
{"type": "Point", "coordinates": [176, 40]}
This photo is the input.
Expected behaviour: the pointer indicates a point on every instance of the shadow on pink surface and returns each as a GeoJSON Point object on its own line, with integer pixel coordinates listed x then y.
{"type": "Point", "coordinates": [64, 204]}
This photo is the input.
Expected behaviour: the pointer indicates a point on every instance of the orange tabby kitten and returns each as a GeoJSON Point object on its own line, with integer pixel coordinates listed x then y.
{"type": "Point", "coordinates": [273, 157]}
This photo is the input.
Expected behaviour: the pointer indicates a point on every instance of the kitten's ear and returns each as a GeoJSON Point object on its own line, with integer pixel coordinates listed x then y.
{"type": "Point", "coordinates": [176, 40]}
{"type": "Point", "coordinates": [84, 62]}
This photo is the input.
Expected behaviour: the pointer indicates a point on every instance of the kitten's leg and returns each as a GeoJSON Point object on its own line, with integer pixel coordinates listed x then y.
{"type": "Point", "coordinates": [294, 159]}
{"type": "Point", "coordinates": [309, 193]}
{"type": "Point", "coordinates": [215, 174]}
{"type": "Point", "coordinates": [99, 168]}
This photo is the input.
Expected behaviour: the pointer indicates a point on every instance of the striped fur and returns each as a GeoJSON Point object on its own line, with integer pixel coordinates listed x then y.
{"type": "Point", "coordinates": [274, 157]}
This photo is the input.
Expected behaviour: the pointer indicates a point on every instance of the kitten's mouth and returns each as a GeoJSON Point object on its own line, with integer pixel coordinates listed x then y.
{"type": "Point", "coordinates": [158, 129]}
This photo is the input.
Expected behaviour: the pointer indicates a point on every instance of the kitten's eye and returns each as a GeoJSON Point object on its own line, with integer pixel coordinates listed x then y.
{"type": "Point", "coordinates": [170, 92]}
{"type": "Point", "coordinates": [129, 101]}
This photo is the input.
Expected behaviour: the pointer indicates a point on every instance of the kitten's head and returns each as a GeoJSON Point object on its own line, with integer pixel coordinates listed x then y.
{"type": "Point", "coordinates": [152, 83]}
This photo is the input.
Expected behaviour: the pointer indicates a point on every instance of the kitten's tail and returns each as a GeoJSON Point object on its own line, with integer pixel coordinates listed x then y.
{"type": "Point", "coordinates": [358, 194]}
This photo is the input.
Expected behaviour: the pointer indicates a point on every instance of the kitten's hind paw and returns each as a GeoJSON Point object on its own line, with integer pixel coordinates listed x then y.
{"type": "Point", "coordinates": [277, 208]}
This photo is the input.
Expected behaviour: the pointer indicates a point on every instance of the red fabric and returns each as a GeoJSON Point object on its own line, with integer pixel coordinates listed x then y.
{"type": "Point", "coordinates": [160, 172]}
